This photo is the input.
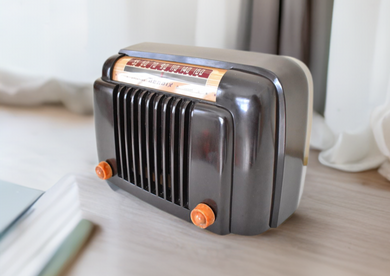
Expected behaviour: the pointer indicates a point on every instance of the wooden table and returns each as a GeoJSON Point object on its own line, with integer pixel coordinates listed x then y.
{"type": "Point", "coordinates": [342, 227]}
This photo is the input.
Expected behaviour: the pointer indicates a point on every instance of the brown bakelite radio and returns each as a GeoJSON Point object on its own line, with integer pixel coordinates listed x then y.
{"type": "Point", "coordinates": [216, 137]}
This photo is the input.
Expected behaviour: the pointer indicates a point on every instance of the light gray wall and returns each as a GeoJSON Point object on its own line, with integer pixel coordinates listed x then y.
{"type": "Point", "coordinates": [70, 39]}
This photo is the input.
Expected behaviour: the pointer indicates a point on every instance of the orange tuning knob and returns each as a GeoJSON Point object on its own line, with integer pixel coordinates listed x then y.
{"type": "Point", "coordinates": [103, 170]}
{"type": "Point", "coordinates": [202, 216]}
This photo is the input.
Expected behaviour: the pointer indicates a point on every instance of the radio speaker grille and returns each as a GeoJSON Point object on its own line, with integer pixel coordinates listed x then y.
{"type": "Point", "coordinates": [152, 141]}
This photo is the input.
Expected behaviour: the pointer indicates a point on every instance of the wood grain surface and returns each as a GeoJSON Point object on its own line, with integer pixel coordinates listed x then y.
{"type": "Point", "coordinates": [342, 227]}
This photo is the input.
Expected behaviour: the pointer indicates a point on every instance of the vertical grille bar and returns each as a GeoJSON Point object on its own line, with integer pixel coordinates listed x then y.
{"type": "Point", "coordinates": [152, 141]}
{"type": "Point", "coordinates": [174, 150]}
{"type": "Point", "coordinates": [116, 130]}
{"type": "Point", "coordinates": [157, 105]}
{"type": "Point", "coordinates": [121, 138]}
{"type": "Point", "coordinates": [134, 136]}
{"type": "Point", "coordinates": [165, 118]}
{"type": "Point", "coordinates": [141, 139]}
{"type": "Point", "coordinates": [183, 152]}
{"type": "Point", "coordinates": [126, 133]}
{"type": "Point", "coordinates": [149, 142]}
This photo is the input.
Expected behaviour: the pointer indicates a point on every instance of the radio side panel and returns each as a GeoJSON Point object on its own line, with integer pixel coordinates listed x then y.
{"type": "Point", "coordinates": [298, 86]}
{"type": "Point", "coordinates": [252, 101]}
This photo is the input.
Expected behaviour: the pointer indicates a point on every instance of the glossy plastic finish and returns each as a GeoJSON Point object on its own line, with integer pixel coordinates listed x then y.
{"type": "Point", "coordinates": [210, 165]}
{"type": "Point", "coordinates": [253, 106]}
{"type": "Point", "coordinates": [202, 216]}
{"type": "Point", "coordinates": [105, 139]}
{"type": "Point", "coordinates": [210, 168]}
{"type": "Point", "coordinates": [294, 105]}
{"type": "Point", "coordinates": [103, 170]}
{"type": "Point", "coordinates": [253, 177]}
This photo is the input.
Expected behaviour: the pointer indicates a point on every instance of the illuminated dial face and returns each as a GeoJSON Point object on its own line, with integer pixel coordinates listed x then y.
{"type": "Point", "coordinates": [185, 79]}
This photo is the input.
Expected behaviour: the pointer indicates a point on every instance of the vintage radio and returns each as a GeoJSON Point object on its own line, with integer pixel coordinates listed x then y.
{"type": "Point", "coordinates": [216, 137]}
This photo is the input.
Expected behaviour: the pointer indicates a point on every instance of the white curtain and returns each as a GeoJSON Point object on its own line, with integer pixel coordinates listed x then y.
{"type": "Point", "coordinates": [355, 134]}
{"type": "Point", "coordinates": [297, 28]}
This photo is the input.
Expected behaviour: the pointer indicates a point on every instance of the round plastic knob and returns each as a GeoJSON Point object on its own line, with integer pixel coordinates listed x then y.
{"type": "Point", "coordinates": [103, 170]}
{"type": "Point", "coordinates": [202, 216]}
